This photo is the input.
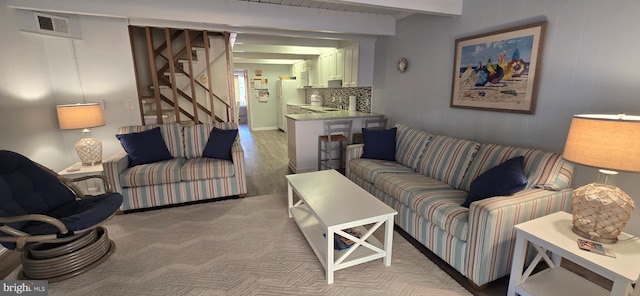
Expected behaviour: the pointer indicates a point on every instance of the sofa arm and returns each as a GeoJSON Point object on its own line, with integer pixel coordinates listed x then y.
{"type": "Point", "coordinates": [491, 236]}
{"type": "Point", "coordinates": [237, 156]}
{"type": "Point", "coordinates": [114, 166]}
{"type": "Point", "coordinates": [353, 152]}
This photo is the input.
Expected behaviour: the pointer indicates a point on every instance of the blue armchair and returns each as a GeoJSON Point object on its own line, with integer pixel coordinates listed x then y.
{"type": "Point", "coordinates": [51, 221]}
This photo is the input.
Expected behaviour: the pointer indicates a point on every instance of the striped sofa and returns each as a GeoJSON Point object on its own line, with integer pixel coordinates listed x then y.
{"type": "Point", "coordinates": [185, 178]}
{"type": "Point", "coordinates": [429, 181]}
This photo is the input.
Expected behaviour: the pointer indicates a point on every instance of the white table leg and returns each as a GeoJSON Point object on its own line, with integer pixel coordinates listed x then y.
{"type": "Point", "coordinates": [330, 253]}
{"type": "Point", "coordinates": [621, 287]}
{"type": "Point", "coordinates": [290, 198]}
{"type": "Point", "coordinates": [388, 241]}
{"type": "Point", "coordinates": [517, 265]}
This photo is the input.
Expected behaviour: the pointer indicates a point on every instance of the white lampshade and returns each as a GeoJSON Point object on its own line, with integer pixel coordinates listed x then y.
{"type": "Point", "coordinates": [604, 141]}
{"type": "Point", "coordinates": [83, 116]}
{"type": "Point", "coordinates": [76, 116]}
{"type": "Point", "coordinates": [601, 211]}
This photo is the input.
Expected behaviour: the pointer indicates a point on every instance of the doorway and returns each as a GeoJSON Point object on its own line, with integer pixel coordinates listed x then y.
{"type": "Point", "coordinates": [240, 80]}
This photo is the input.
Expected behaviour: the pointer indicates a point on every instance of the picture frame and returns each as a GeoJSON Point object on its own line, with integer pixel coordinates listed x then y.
{"type": "Point", "coordinates": [498, 71]}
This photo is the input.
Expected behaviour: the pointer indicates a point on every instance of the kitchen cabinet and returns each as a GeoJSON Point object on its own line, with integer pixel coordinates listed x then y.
{"type": "Point", "coordinates": [358, 64]}
{"type": "Point", "coordinates": [296, 70]}
{"type": "Point", "coordinates": [339, 57]}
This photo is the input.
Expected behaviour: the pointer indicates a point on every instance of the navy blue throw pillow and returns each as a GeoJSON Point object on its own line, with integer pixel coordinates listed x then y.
{"type": "Point", "coordinates": [219, 143]}
{"type": "Point", "coordinates": [144, 147]}
{"type": "Point", "coordinates": [379, 144]}
{"type": "Point", "coordinates": [504, 179]}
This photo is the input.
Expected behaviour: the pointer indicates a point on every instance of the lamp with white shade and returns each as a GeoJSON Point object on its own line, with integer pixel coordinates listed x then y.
{"type": "Point", "coordinates": [612, 143]}
{"type": "Point", "coordinates": [83, 116]}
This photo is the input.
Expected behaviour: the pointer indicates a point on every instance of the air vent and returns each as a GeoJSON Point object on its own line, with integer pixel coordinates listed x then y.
{"type": "Point", "coordinates": [54, 25]}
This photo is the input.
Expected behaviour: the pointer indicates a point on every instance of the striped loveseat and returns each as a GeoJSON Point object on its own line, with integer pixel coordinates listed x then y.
{"type": "Point", "coordinates": [429, 181]}
{"type": "Point", "coordinates": [185, 178]}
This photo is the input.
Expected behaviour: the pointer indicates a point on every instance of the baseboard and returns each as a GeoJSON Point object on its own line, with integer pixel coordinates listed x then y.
{"type": "Point", "coordinates": [264, 128]}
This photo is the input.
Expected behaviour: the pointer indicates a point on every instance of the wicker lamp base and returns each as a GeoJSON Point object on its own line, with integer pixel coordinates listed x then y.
{"type": "Point", "coordinates": [90, 151]}
{"type": "Point", "coordinates": [600, 212]}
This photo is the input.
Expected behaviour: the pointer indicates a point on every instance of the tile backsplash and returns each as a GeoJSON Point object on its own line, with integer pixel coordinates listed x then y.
{"type": "Point", "coordinates": [339, 97]}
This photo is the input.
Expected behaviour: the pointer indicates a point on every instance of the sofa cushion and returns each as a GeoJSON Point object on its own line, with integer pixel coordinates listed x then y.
{"type": "Point", "coordinates": [162, 172]}
{"type": "Point", "coordinates": [144, 147]}
{"type": "Point", "coordinates": [379, 144]}
{"type": "Point", "coordinates": [203, 168]}
{"type": "Point", "coordinates": [219, 144]}
{"type": "Point", "coordinates": [430, 198]}
{"type": "Point", "coordinates": [447, 159]}
{"type": "Point", "coordinates": [197, 136]}
{"type": "Point", "coordinates": [369, 168]}
{"type": "Point", "coordinates": [541, 168]}
{"type": "Point", "coordinates": [410, 143]}
{"type": "Point", "coordinates": [403, 185]}
{"type": "Point", "coordinates": [506, 178]}
{"type": "Point", "coordinates": [171, 134]}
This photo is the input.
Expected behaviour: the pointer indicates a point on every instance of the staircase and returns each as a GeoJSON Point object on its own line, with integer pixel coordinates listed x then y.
{"type": "Point", "coordinates": [182, 75]}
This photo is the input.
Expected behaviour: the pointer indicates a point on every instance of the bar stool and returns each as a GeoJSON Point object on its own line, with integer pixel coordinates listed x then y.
{"type": "Point", "coordinates": [378, 123]}
{"type": "Point", "coordinates": [338, 132]}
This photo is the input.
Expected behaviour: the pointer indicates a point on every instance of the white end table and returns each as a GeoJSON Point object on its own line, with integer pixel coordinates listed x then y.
{"type": "Point", "coordinates": [76, 170]}
{"type": "Point", "coordinates": [553, 234]}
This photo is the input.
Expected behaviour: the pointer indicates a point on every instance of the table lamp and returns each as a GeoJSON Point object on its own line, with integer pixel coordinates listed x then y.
{"type": "Point", "coordinates": [609, 142]}
{"type": "Point", "coordinates": [83, 116]}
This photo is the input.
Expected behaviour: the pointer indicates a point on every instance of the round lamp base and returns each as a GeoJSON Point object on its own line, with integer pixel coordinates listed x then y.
{"type": "Point", "coordinates": [594, 238]}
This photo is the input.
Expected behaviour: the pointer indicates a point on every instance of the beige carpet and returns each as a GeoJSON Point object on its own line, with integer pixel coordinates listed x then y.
{"type": "Point", "coordinates": [243, 246]}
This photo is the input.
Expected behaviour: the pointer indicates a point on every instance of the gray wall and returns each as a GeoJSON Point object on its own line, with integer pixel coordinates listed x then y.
{"type": "Point", "coordinates": [262, 115]}
{"type": "Point", "coordinates": [38, 72]}
{"type": "Point", "coordinates": [589, 66]}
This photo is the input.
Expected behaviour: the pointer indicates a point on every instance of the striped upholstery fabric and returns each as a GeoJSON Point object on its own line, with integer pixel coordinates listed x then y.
{"type": "Point", "coordinates": [447, 159]}
{"type": "Point", "coordinates": [541, 168]}
{"type": "Point", "coordinates": [410, 144]}
{"type": "Point", "coordinates": [202, 168]}
{"type": "Point", "coordinates": [161, 172]}
{"type": "Point", "coordinates": [443, 244]}
{"type": "Point", "coordinates": [196, 136]}
{"type": "Point", "coordinates": [404, 186]}
{"type": "Point", "coordinates": [171, 133]}
{"type": "Point", "coordinates": [369, 168]}
{"type": "Point", "coordinates": [491, 234]}
{"type": "Point", "coordinates": [435, 201]}
{"type": "Point", "coordinates": [175, 193]}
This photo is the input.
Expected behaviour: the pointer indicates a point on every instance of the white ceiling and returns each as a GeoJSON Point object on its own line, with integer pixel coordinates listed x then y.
{"type": "Point", "coordinates": [278, 49]}
{"type": "Point", "coordinates": [264, 31]}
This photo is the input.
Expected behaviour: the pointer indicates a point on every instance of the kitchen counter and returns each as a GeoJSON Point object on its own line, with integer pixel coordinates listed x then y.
{"type": "Point", "coordinates": [303, 131]}
{"type": "Point", "coordinates": [324, 113]}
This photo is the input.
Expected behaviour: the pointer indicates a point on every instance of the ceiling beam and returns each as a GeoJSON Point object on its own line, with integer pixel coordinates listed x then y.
{"type": "Point", "coordinates": [271, 56]}
{"type": "Point", "coordinates": [240, 14]}
{"type": "Point", "coordinates": [437, 7]}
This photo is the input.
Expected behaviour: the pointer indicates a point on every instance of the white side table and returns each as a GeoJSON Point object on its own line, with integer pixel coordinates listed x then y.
{"type": "Point", "coordinates": [76, 170]}
{"type": "Point", "coordinates": [553, 234]}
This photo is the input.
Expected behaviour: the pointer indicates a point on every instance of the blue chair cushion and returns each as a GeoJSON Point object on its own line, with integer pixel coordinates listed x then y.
{"type": "Point", "coordinates": [506, 178]}
{"type": "Point", "coordinates": [80, 214]}
{"type": "Point", "coordinates": [379, 144]}
{"type": "Point", "coordinates": [219, 143]}
{"type": "Point", "coordinates": [144, 147]}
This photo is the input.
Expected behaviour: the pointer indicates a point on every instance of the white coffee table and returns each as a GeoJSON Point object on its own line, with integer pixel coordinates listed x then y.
{"type": "Point", "coordinates": [330, 203]}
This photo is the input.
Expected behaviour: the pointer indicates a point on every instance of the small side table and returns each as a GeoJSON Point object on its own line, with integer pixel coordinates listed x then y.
{"type": "Point", "coordinates": [553, 234]}
{"type": "Point", "coordinates": [77, 170]}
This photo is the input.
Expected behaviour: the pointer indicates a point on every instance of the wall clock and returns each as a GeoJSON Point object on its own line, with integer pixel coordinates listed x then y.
{"type": "Point", "coordinates": [402, 65]}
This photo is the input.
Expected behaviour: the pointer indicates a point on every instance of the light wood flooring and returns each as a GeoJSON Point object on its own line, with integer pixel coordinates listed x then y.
{"type": "Point", "coordinates": [266, 160]}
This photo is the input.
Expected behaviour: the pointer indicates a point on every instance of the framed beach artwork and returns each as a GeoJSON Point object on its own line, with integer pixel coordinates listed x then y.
{"type": "Point", "coordinates": [498, 71]}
